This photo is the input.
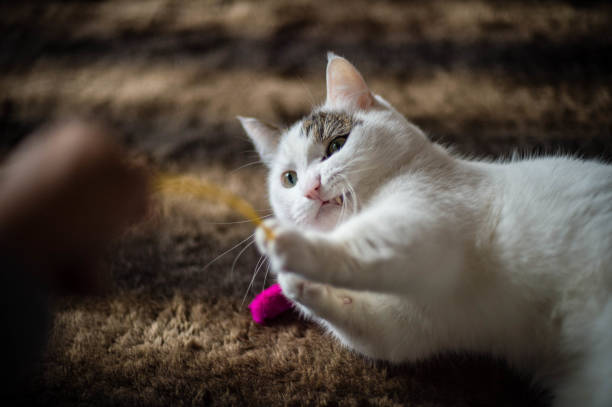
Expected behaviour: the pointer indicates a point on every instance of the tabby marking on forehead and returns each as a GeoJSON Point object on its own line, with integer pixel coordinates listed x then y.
{"type": "Point", "coordinates": [323, 126]}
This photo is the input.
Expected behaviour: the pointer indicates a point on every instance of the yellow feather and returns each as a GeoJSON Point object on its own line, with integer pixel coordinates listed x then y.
{"type": "Point", "coordinates": [189, 185]}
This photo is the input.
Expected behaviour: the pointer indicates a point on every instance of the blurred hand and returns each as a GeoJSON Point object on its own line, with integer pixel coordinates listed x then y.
{"type": "Point", "coordinates": [65, 194]}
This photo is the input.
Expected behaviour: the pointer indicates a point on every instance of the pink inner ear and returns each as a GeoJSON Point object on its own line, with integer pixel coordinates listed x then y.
{"type": "Point", "coordinates": [365, 101]}
{"type": "Point", "coordinates": [346, 86]}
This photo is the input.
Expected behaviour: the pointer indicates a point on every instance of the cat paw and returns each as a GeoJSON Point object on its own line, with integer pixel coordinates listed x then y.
{"type": "Point", "coordinates": [290, 250]}
{"type": "Point", "coordinates": [315, 300]}
{"type": "Point", "coordinates": [262, 240]}
{"type": "Point", "coordinates": [299, 289]}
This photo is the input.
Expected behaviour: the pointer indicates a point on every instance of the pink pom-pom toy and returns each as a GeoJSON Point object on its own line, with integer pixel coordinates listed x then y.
{"type": "Point", "coordinates": [269, 304]}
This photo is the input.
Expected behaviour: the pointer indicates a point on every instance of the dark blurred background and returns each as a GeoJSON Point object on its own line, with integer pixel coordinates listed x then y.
{"type": "Point", "coordinates": [488, 77]}
{"type": "Point", "coordinates": [171, 75]}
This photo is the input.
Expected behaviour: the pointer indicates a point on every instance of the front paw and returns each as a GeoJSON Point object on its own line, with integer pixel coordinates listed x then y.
{"type": "Point", "coordinates": [290, 250]}
{"type": "Point", "coordinates": [300, 290]}
{"type": "Point", "coordinates": [262, 239]}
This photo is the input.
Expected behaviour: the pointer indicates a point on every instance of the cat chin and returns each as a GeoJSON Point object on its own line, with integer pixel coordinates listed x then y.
{"type": "Point", "coordinates": [326, 218]}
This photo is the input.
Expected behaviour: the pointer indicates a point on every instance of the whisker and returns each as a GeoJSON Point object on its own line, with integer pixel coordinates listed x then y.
{"type": "Point", "coordinates": [351, 191]}
{"type": "Point", "coordinates": [344, 204]}
{"type": "Point", "coordinates": [339, 220]}
{"type": "Point", "coordinates": [236, 222]}
{"type": "Point", "coordinates": [240, 254]}
{"type": "Point", "coordinates": [246, 165]}
{"type": "Point", "coordinates": [266, 276]}
{"type": "Point", "coordinates": [229, 223]}
{"type": "Point", "coordinates": [354, 198]}
{"type": "Point", "coordinates": [311, 98]}
{"type": "Point", "coordinates": [259, 264]}
{"type": "Point", "coordinates": [260, 261]}
{"type": "Point", "coordinates": [227, 251]}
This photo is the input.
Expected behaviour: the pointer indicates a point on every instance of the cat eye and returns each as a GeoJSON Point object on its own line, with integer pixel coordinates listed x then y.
{"type": "Point", "coordinates": [335, 145]}
{"type": "Point", "coordinates": [289, 179]}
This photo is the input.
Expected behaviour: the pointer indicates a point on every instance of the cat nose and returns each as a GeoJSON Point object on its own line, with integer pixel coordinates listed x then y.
{"type": "Point", "coordinates": [312, 191]}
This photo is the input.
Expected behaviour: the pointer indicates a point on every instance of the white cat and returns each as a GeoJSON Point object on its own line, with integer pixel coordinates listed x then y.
{"type": "Point", "coordinates": [403, 250]}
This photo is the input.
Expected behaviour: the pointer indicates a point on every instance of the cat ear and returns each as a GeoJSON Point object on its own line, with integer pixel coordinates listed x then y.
{"type": "Point", "coordinates": [345, 85]}
{"type": "Point", "coordinates": [264, 136]}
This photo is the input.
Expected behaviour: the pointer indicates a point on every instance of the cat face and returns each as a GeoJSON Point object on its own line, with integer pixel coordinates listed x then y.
{"type": "Point", "coordinates": [329, 163]}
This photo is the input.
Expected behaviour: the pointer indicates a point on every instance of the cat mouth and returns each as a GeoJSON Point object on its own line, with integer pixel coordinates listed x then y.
{"type": "Point", "coordinates": [339, 200]}
{"type": "Point", "coordinates": [330, 206]}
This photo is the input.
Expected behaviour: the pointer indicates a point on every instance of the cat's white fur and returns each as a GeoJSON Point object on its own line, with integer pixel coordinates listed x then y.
{"type": "Point", "coordinates": [432, 253]}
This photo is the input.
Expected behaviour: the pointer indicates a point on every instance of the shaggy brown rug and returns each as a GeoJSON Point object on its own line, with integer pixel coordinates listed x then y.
{"type": "Point", "coordinates": [490, 78]}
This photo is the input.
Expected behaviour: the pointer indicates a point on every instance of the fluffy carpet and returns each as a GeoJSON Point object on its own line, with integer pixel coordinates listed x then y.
{"type": "Point", "coordinates": [489, 78]}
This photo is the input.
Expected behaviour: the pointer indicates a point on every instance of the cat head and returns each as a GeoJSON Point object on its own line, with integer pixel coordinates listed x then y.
{"type": "Point", "coordinates": [329, 163]}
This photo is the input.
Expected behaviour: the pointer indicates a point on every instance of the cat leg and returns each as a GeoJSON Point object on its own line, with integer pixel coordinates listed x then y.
{"type": "Point", "coordinates": [376, 325]}
{"type": "Point", "coordinates": [372, 323]}
{"type": "Point", "coordinates": [375, 252]}
{"type": "Point", "coordinates": [317, 299]}
{"type": "Point", "coordinates": [345, 314]}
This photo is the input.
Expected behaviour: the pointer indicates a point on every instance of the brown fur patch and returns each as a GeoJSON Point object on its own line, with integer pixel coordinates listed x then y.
{"type": "Point", "coordinates": [322, 126]}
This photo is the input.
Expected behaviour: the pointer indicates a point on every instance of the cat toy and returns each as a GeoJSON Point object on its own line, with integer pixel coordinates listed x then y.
{"type": "Point", "coordinates": [271, 302]}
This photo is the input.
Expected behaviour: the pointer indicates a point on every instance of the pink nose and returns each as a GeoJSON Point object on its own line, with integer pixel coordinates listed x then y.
{"type": "Point", "coordinates": [312, 192]}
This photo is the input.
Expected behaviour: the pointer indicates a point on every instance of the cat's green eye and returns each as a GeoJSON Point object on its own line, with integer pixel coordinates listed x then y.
{"type": "Point", "coordinates": [335, 145]}
{"type": "Point", "coordinates": [289, 179]}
